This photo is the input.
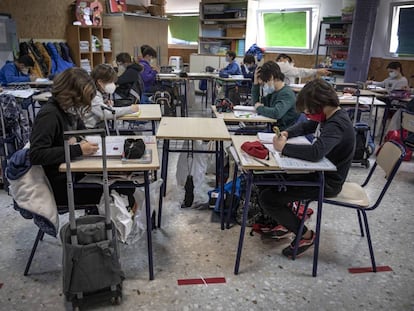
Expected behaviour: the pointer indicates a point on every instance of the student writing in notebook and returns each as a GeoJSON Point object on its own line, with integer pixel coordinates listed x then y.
{"type": "Point", "coordinates": [278, 100]}
{"type": "Point", "coordinates": [72, 93]}
{"type": "Point", "coordinates": [104, 77]}
{"type": "Point", "coordinates": [334, 139]}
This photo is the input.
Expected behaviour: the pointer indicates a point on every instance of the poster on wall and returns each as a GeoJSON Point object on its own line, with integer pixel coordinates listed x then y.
{"type": "Point", "coordinates": [89, 12]}
{"type": "Point", "coordinates": [116, 6]}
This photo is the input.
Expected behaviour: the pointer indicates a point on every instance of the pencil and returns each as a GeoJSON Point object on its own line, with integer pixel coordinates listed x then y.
{"type": "Point", "coordinates": [261, 162]}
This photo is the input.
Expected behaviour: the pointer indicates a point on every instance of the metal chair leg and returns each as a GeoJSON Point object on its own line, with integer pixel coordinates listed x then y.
{"type": "Point", "coordinates": [371, 250]}
{"type": "Point", "coordinates": [361, 228]}
{"type": "Point", "coordinates": [39, 237]}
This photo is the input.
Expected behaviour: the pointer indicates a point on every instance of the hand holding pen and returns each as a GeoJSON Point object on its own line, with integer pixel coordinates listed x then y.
{"type": "Point", "coordinates": [279, 141]}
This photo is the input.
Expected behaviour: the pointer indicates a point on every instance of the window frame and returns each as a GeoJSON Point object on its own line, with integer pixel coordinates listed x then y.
{"type": "Point", "coordinates": [312, 21]}
{"type": "Point", "coordinates": [393, 20]}
{"type": "Point", "coordinates": [193, 45]}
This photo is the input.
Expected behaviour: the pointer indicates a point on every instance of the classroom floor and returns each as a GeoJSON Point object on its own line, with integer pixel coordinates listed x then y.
{"type": "Point", "coordinates": [190, 244]}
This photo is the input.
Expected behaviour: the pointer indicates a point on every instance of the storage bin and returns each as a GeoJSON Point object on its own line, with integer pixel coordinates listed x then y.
{"type": "Point", "coordinates": [338, 64]}
{"type": "Point", "coordinates": [236, 32]}
{"type": "Point", "coordinates": [214, 8]}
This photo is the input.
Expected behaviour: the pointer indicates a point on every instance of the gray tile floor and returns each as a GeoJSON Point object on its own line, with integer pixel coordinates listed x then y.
{"type": "Point", "coordinates": [191, 245]}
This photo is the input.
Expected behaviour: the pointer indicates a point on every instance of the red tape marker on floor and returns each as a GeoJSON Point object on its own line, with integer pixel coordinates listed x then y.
{"type": "Point", "coordinates": [369, 269]}
{"type": "Point", "coordinates": [201, 281]}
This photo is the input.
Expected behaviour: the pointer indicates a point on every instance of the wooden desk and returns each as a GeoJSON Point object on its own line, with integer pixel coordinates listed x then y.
{"type": "Point", "coordinates": [192, 129]}
{"type": "Point", "coordinates": [148, 112]}
{"type": "Point", "coordinates": [94, 164]}
{"type": "Point", "coordinates": [253, 170]}
{"type": "Point", "coordinates": [230, 117]}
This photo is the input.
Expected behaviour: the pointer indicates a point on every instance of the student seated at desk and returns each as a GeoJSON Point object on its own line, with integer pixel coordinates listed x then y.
{"type": "Point", "coordinates": [291, 72]}
{"type": "Point", "coordinates": [278, 100]}
{"type": "Point", "coordinates": [104, 77]}
{"type": "Point", "coordinates": [395, 80]}
{"type": "Point", "coordinates": [335, 140]}
{"type": "Point", "coordinates": [17, 71]}
{"type": "Point", "coordinates": [72, 93]}
{"type": "Point", "coordinates": [248, 66]}
{"type": "Point", "coordinates": [150, 71]}
{"type": "Point", "coordinates": [129, 77]}
{"type": "Point", "coordinates": [232, 67]}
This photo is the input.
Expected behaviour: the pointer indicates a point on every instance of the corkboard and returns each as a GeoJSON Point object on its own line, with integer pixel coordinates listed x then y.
{"type": "Point", "coordinates": [39, 18]}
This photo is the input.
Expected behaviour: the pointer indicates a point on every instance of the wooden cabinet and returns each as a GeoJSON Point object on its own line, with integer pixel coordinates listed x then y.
{"type": "Point", "coordinates": [333, 44]}
{"type": "Point", "coordinates": [130, 31]}
{"type": "Point", "coordinates": [90, 46]}
{"type": "Point", "coordinates": [222, 27]}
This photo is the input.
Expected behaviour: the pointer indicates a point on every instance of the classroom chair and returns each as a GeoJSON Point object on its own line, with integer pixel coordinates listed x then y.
{"type": "Point", "coordinates": [355, 196]}
{"type": "Point", "coordinates": [407, 125]}
{"type": "Point", "coordinates": [202, 85]}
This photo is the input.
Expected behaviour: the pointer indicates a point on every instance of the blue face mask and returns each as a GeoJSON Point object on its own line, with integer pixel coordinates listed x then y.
{"type": "Point", "coordinates": [268, 89]}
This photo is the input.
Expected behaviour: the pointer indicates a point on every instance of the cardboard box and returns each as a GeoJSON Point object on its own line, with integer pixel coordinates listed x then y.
{"type": "Point", "coordinates": [156, 10]}
{"type": "Point", "coordinates": [158, 2]}
{"type": "Point", "coordinates": [236, 32]}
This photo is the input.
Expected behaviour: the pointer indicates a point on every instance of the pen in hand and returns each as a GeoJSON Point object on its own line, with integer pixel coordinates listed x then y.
{"type": "Point", "coordinates": [276, 130]}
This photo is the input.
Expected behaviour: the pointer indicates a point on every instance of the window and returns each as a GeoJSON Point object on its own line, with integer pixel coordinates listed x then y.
{"type": "Point", "coordinates": [183, 29]}
{"type": "Point", "coordinates": [402, 29]}
{"type": "Point", "coordinates": [291, 29]}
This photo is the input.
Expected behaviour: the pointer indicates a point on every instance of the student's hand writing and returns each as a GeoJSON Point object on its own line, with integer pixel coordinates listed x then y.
{"type": "Point", "coordinates": [135, 108]}
{"type": "Point", "coordinates": [72, 140]}
{"type": "Point", "coordinates": [110, 103]}
{"type": "Point", "coordinates": [279, 142]}
{"type": "Point", "coordinates": [323, 72]}
{"type": "Point", "coordinates": [284, 133]}
{"type": "Point", "coordinates": [88, 148]}
{"type": "Point", "coordinates": [257, 105]}
{"type": "Point", "coordinates": [33, 77]}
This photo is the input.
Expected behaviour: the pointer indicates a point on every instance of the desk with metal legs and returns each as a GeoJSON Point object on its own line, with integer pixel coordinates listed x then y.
{"type": "Point", "coordinates": [189, 129]}
{"type": "Point", "coordinates": [254, 173]}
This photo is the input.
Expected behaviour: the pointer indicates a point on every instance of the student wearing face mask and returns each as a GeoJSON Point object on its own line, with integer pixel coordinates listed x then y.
{"type": "Point", "coordinates": [395, 80]}
{"type": "Point", "coordinates": [150, 70]}
{"type": "Point", "coordinates": [278, 100]}
{"type": "Point", "coordinates": [335, 141]}
{"type": "Point", "coordinates": [291, 72]}
{"type": "Point", "coordinates": [232, 67]}
{"type": "Point", "coordinates": [248, 66]}
{"type": "Point", "coordinates": [17, 71]}
{"type": "Point", "coordinates": [104, 77]}
{"type": "Point", "coordinates": [129, 76]}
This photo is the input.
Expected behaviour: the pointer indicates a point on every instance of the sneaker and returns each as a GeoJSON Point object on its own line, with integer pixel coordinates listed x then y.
{"type": "Point", "coordinates": [304, 244]}
{"type": "Point", "coordinates": [280, 232]}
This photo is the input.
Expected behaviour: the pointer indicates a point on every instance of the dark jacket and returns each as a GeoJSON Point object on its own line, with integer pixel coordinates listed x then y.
{"type": "Point", "coordinates": [46, 142]}
{"type": "Point", "coordinates": [126, 81]}
{"type": "Point", "coordinates": [336, 142]}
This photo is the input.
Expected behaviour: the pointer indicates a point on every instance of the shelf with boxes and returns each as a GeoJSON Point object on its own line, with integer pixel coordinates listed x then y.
{"type": "Point", "coordinates": [89, 45]}
{"type": "Point", "coordinates": [222, 27]}
{"type": "Point", "coordinates": [333, 43]}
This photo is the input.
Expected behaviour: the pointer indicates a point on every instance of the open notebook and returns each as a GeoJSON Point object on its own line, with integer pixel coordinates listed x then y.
{"type": "Point", "coordinates": [114, 144]}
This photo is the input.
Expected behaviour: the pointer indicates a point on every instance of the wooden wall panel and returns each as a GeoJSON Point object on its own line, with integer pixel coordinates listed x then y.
{"type": "Point", "coordinates": [41, 19]}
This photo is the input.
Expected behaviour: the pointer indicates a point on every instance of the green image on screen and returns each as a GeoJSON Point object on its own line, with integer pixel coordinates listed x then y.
{"type": "Point", "coordinates": [286, 29]}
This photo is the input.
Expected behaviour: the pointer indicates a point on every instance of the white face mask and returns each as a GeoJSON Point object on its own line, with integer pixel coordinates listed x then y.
{"type": "Point", "coordinates": [268, 89]}
{"type": "Point", "coordinates": [393, 74]}
{"type": "Point", "coordinates": [121, 70]}
{"type": "Point", "coordinates": [25, 71]}
{"type": "Point", "coordinates": [110, 88]}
